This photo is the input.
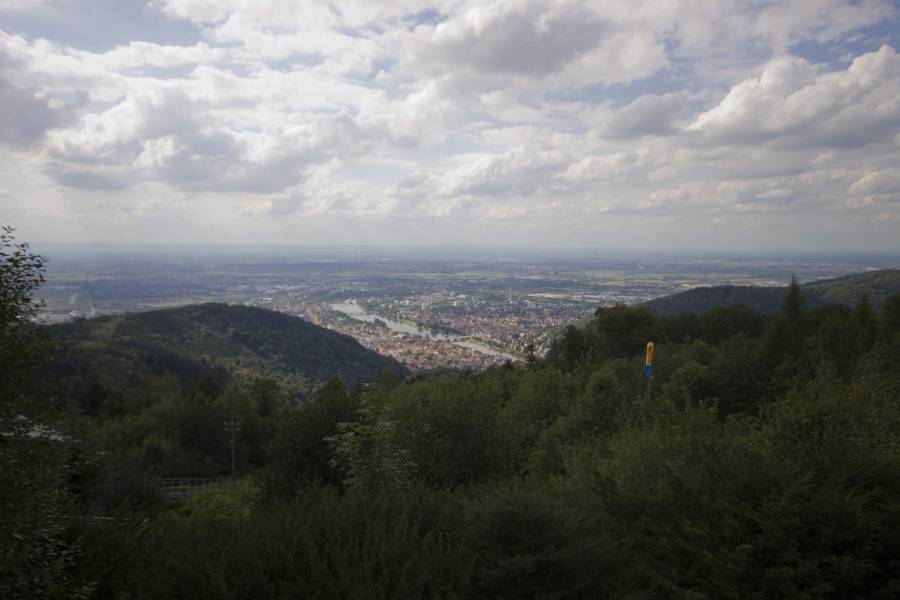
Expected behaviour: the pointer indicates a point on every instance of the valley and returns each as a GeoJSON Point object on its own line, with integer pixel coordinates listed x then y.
{"type": "Point", "coordinates": [428, 308]}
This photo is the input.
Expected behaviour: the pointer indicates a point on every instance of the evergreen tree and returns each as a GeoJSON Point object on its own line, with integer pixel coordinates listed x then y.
{"type": "Point", "coordinates": [866, 321]}
{"type": "Point", "coordinates": [794, 302]}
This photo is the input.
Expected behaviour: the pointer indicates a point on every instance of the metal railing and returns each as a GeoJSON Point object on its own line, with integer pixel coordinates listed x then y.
{"type": "Point", "coordinates": [185, 487]}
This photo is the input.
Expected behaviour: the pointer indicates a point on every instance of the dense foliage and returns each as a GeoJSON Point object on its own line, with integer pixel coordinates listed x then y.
{"type": "Point", "coordinates": [36, 559]}
{"type": "Point", "coordinates": [761, 460]}
{"type": "Point", "coordinates": [21, 344]}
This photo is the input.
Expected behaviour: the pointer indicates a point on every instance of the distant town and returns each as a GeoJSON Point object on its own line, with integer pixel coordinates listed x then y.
{"type": "Point", "coordinates": [428, 313]}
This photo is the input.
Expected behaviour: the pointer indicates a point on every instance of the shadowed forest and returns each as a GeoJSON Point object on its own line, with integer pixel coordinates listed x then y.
{"type": "Point", "coordinates": [761, 460]}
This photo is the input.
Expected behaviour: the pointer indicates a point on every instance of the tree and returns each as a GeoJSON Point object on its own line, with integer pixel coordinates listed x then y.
{"type": "Point", "coordinates": [723, 322]}
{"type": "Point", "coordinates": [366, 450]}
{"type": "Point", "coordinates": [783, 342]}
{"type": "Point", "coordinates": [794, 303]}
{"type": "Point", "coordinates": [890, 317]}
{"type": "Point", "coordinates": [890, 325]}
{"type": "Point", "coordinates": [267, 394]}
{"type": "Point", "coordinates": [34, 458]}
{"type": "Point", "coordinates": [570, 350]}
{"type": "Point", "coordinates": [625, 330]}
{"type": "Point", "coordinates": [21, 347]}
{"type": "Point", "coordinates": [867, 322]}
{"type": "Point", "coordinates": [21, 272]}
{"type": "Point", "coordinates": [300, 452]}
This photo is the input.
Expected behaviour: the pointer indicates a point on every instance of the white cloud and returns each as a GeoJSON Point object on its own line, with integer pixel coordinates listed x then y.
{"type": "Point", "coordinates": [578, 113]}
{"type": "Point", "coordinates": [524, 170]}
{"type": "Point", "coordinates": [886, 181]}
{"type": "Point", "coordinates": [647, 115]}
{"type": "Point", "coordinates": [876, 188]}
{"type": "Point", "coordinates": [25, 6]}
{"type": "Point", "coordinates": [607, 168]}
{"type": "Point", "coordinates": [526, 43]}
{"type": "Point", "coordinates": [793, 104]}
{"type": "Point", "coordinates": [139, 54]}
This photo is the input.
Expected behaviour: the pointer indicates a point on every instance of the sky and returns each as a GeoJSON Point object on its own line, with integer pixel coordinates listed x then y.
{"type": "Point", "coordinates": [699, 124]}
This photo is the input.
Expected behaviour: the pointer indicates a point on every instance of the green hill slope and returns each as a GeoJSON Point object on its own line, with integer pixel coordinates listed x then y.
{"type": "Point", "coordinates": [848, 290]}
{"type": "Point", "coordinates": [841, 290]}
{"type": "Point", "coordinates": [208, 342]}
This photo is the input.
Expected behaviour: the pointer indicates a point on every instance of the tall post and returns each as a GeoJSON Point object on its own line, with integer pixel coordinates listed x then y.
{"type": "Point", "coordinates": [233, 427]}
{"type": "Point", "coordinates": [648, 361]}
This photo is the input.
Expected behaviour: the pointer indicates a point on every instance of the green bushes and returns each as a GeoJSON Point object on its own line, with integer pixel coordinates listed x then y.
{"type": "Point", "coordinates": [527, 543]}
{"type": "Point", "coordinates": [762, 460]}
{"type": "Point", "coordinates": [321, 544]}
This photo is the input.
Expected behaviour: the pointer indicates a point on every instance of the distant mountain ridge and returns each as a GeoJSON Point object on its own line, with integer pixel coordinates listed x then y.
{"type": "Point", "coordinates": [134, 351]}
{"type": "Point", "coordinates": [841, 290]}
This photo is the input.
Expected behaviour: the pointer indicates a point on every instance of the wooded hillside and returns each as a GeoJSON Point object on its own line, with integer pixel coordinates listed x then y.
{"type": "Point", "coordinates": [211, 343]}
{"type": "Point", "coordinates": [848, 290]}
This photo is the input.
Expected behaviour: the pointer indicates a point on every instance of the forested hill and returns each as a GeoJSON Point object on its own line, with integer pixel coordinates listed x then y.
{"type": "Point", "coordinates": [760, 458]}
{"type": "Point", "coordinates": [208, 343]}
{"type": "Point", "coordinates": [846, 290]}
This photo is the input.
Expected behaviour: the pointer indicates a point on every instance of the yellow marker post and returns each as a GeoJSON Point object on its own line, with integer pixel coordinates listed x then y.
{"type": "Point", "coordinates": [648, 360]}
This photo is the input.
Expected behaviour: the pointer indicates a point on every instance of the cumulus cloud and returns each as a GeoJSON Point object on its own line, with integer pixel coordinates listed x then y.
{"type": "Point", "coordinates": [792, 103]}
{"type": "Point", "coordinates": [876, 188]}
{"type": "Point", "coordinates": [24, 115]}
{"type": "Point", "coordinates": [139, 54]}
{"type": "Point", "coordinates": [192, 143]}
{"type": "Point", "coordinates": [524, 38]}
{"type": "Point", "coordinates": [528, 42]}
{"type": "Point", "coordinates": [524, 170]}
{"type": "Point", "coordinates": [607, 168]}
{"type": "Point", "coordinates": [886, 181]}
{"type": "Point", "coordinates": [571, 111]}
{"type": "Point", "coordinates": [647, 115]}
{"type": "Point", "coordinates": [18, 6]}
{"type": "Point", "coordinates": [27, 108]}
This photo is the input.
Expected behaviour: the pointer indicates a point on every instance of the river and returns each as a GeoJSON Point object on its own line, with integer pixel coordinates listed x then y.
{"type": "Point", "coordinates": [352, 309]}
